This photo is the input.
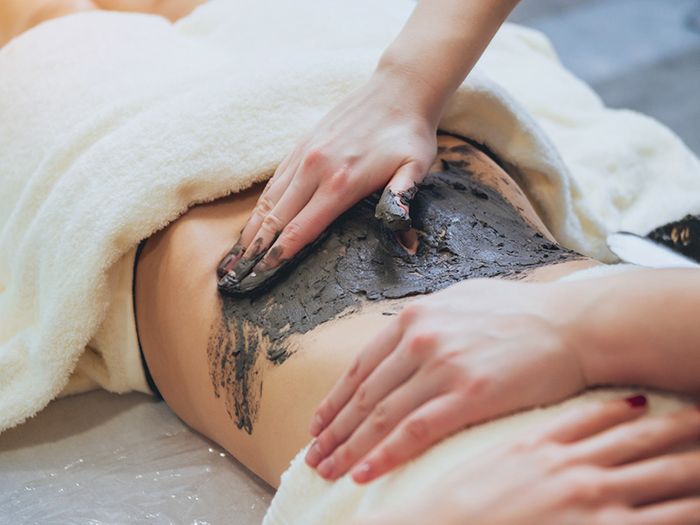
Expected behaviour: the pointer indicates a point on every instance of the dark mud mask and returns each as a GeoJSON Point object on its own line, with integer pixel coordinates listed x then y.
{"type": "Point", "coordinates": [465, 230]}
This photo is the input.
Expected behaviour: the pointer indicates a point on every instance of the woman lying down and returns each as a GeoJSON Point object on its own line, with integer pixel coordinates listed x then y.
{"type": "Point", "coordinates": [249, 372]}
{"type": "Point", "coordinates": [388, 343]}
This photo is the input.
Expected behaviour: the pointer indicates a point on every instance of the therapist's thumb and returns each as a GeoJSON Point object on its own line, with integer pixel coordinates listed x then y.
{"type": "Point", "coordinates": [393, 208]}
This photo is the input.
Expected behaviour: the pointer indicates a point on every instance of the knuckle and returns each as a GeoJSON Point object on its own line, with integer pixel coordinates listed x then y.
{"type": "Point", "coordinates": [292, 233]}
{"type": "Point", "coordinates": [410, 313]}
{"type": "Point", "coordinates": [475, 385]}
{"type": "Point", "coordinates": [417, 429]}
{"type": "Point", "coordinates": [345, 454]}
{"type": "Point", "coordinates": [353, 369]}
{"type": "Point", "coordinates": [380, 419]}
{"type": "Point", "coordinates": [339, 181]}
{"type": "Point", "coordinates": [264, 206]}
{"type": "Point", "coordinates": [362, 400]}
{"type": "Point", "coordinates": [326, 441]}
{"type": "Point", "coordinates": [315, 155]}
{"type": "Point", "coordinates": [384, 459]}
{"type": "Point", "coordinates": [552, 455]}
{"type": "Point", "coordinates": [584, 485]}
{"type": "Point", "coordinates": [422, 344]}
{"type": "Point", "coordinates": [326, 408]}
{"type": "Point", "coordinates": [527, 444]}
{"type": "Point", "coordinates": [272, 223]}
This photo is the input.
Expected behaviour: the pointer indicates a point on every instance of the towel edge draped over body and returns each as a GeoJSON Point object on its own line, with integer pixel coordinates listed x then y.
{"type": "Point", "coordinates": [113, 125]}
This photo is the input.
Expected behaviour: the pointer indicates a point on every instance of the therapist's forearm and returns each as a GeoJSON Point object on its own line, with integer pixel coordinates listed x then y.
{"type": "Point", "coordinates": [643, 329]}
{"type": "Point", "coordinates": [439, 45]}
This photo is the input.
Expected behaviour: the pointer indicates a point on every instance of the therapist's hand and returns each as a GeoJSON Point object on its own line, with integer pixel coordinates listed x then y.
{"type": "Point", "coordinates": [472, 352]}
{"type": "Point", "coordinates": [598, 465]}
{"type": "Point", "coordinates": [380, 134]}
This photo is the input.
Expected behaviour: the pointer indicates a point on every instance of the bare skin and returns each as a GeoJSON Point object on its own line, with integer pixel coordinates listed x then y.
{"type": "Point", "coordinates": [17, 16]}
{"type": "Point", "coordinates": [177, 304]}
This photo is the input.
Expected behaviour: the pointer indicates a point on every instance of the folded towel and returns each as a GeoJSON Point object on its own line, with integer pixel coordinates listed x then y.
{"type": "Point", "coordinates": [112, 125]}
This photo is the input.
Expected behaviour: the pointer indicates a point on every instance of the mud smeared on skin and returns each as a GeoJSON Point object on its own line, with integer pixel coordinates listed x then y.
{"type": "Point", "coordinates": [466, 230]}
{"type": "Point", "coordinates": [393, 209]}
{"type": "Point", "coordinates": [235, 371]}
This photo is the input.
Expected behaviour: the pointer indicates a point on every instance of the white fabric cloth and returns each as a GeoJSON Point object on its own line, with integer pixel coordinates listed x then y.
{"type": "Point", "coordinates": [112, 125]}
{"type": "Point", "coordinates": [113, 352]}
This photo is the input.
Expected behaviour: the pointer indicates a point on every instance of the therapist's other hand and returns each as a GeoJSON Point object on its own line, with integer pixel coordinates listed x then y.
{"type": "Point", "coordinates": [598, 465]}
{"type": "Point", "coordinates": [472, 352]}
{"type": "Point", "coordinates": [374, 137]}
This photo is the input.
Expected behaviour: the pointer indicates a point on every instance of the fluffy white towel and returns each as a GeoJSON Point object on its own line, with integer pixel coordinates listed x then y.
{"type": "Point", "coordinates": [112, 125]}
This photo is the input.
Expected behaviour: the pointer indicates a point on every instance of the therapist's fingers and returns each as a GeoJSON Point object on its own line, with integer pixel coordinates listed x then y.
{"type": "Point", "coordinates": [588, 420]}
{"type": "Point", "coordinates": [274, 189]}
{"type": "Point", "coordinates": [639, 439]}
{"type": "Point", "coordinates": [393, 208]}
{"type": "Point", "coordinates": [369, 430]}
{"type": "Point", "coordinates": [661, 478]}
{"type": "Point", "coordinates": [297, 195]}
{"type": "Point", "coordinates": [303, 230]}
{"type": "Point", "coordinates": [424, 427]}
{"type": "Point", "coordinates": [344, 389]}
{"type": "Point", "coordinates": [268, 214]}
{"type": "Point", "coordinates": [389, 375]}
{"type": "Point", "coordinates": [678, 512]}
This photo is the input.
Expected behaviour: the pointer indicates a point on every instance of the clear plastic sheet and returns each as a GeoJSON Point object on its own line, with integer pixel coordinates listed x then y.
{"type": "Point", "coordinates": [99, 459]}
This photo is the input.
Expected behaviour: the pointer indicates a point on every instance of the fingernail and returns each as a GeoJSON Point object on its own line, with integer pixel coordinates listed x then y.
{"type": "Point", "coordinates": [325, 469]}
{"type": "Point", "coordinates": [316, 425]}
{"type": "Point", "coordinates": [362, 472]}
{"type": "Point", "coordinates": [637, 401]}
{"type": "Point", "coordinates": [243, 267]}
{"type": "Point", "coordinates": [313, 455]}
{"type": "Point", "coordinates": [229, 284]}
{"type": "Point", "coordinates": [227, 263]}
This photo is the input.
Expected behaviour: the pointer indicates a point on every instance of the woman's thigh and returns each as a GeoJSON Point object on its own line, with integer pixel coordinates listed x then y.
{"type": "Point", "coordinates": [184, 336]}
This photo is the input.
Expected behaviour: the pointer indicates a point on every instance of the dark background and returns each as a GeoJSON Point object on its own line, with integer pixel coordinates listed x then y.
{"type": "Point", "coordinates": [637, 54]}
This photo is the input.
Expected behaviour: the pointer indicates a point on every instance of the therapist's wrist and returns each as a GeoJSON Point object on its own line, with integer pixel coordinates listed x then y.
{"type": "Point", "coordinates": [419, 93]}
{"type": "Point", "coordinates": [614, 349]}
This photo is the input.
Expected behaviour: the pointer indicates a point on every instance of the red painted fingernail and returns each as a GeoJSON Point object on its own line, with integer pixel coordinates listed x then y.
{"type": "Point", "coordinates": [362, 473]}
{"type": "Point", "coordinates": [637, 401]}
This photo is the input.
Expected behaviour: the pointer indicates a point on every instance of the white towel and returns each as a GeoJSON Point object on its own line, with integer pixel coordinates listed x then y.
{"type": "Point", "coordinates": [112, 125]}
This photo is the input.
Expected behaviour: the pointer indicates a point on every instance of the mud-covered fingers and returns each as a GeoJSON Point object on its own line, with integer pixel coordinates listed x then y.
{"type": "Point", "coordinates": [384, 417]}
{"type": "Point", "coordinates": [659, 479]}
{"type": "Point", "coordinates": [266, 202]}
{"type": "Point", "coordinates": [433, 421]}
{"type": "Point", "coordinates": [255, 270]}
{"type": "Point", "coordinates": [389, 375]}
{"type": "Point", "coordinates": [639, 439]}
{"type": "Point", "coordinates": [393, 208]}
{"type": "Point", "coordinates": [344, 389]}
{"type": "Point", "coordinates": [678, 512]}
{"type": "Point", "coordinates": [592, 418]}
{"type": "Point", "coordinates": [297, 196]}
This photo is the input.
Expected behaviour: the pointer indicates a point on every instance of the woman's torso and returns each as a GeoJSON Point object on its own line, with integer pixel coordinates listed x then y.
{"type": "Point", "coordinates": [261, 364]}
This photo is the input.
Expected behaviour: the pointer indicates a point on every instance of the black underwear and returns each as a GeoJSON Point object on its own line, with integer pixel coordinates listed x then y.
{"type": "Point", "coordinates": [467, 230]}
{"type": "Point", "coordinates": [149, 378]}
